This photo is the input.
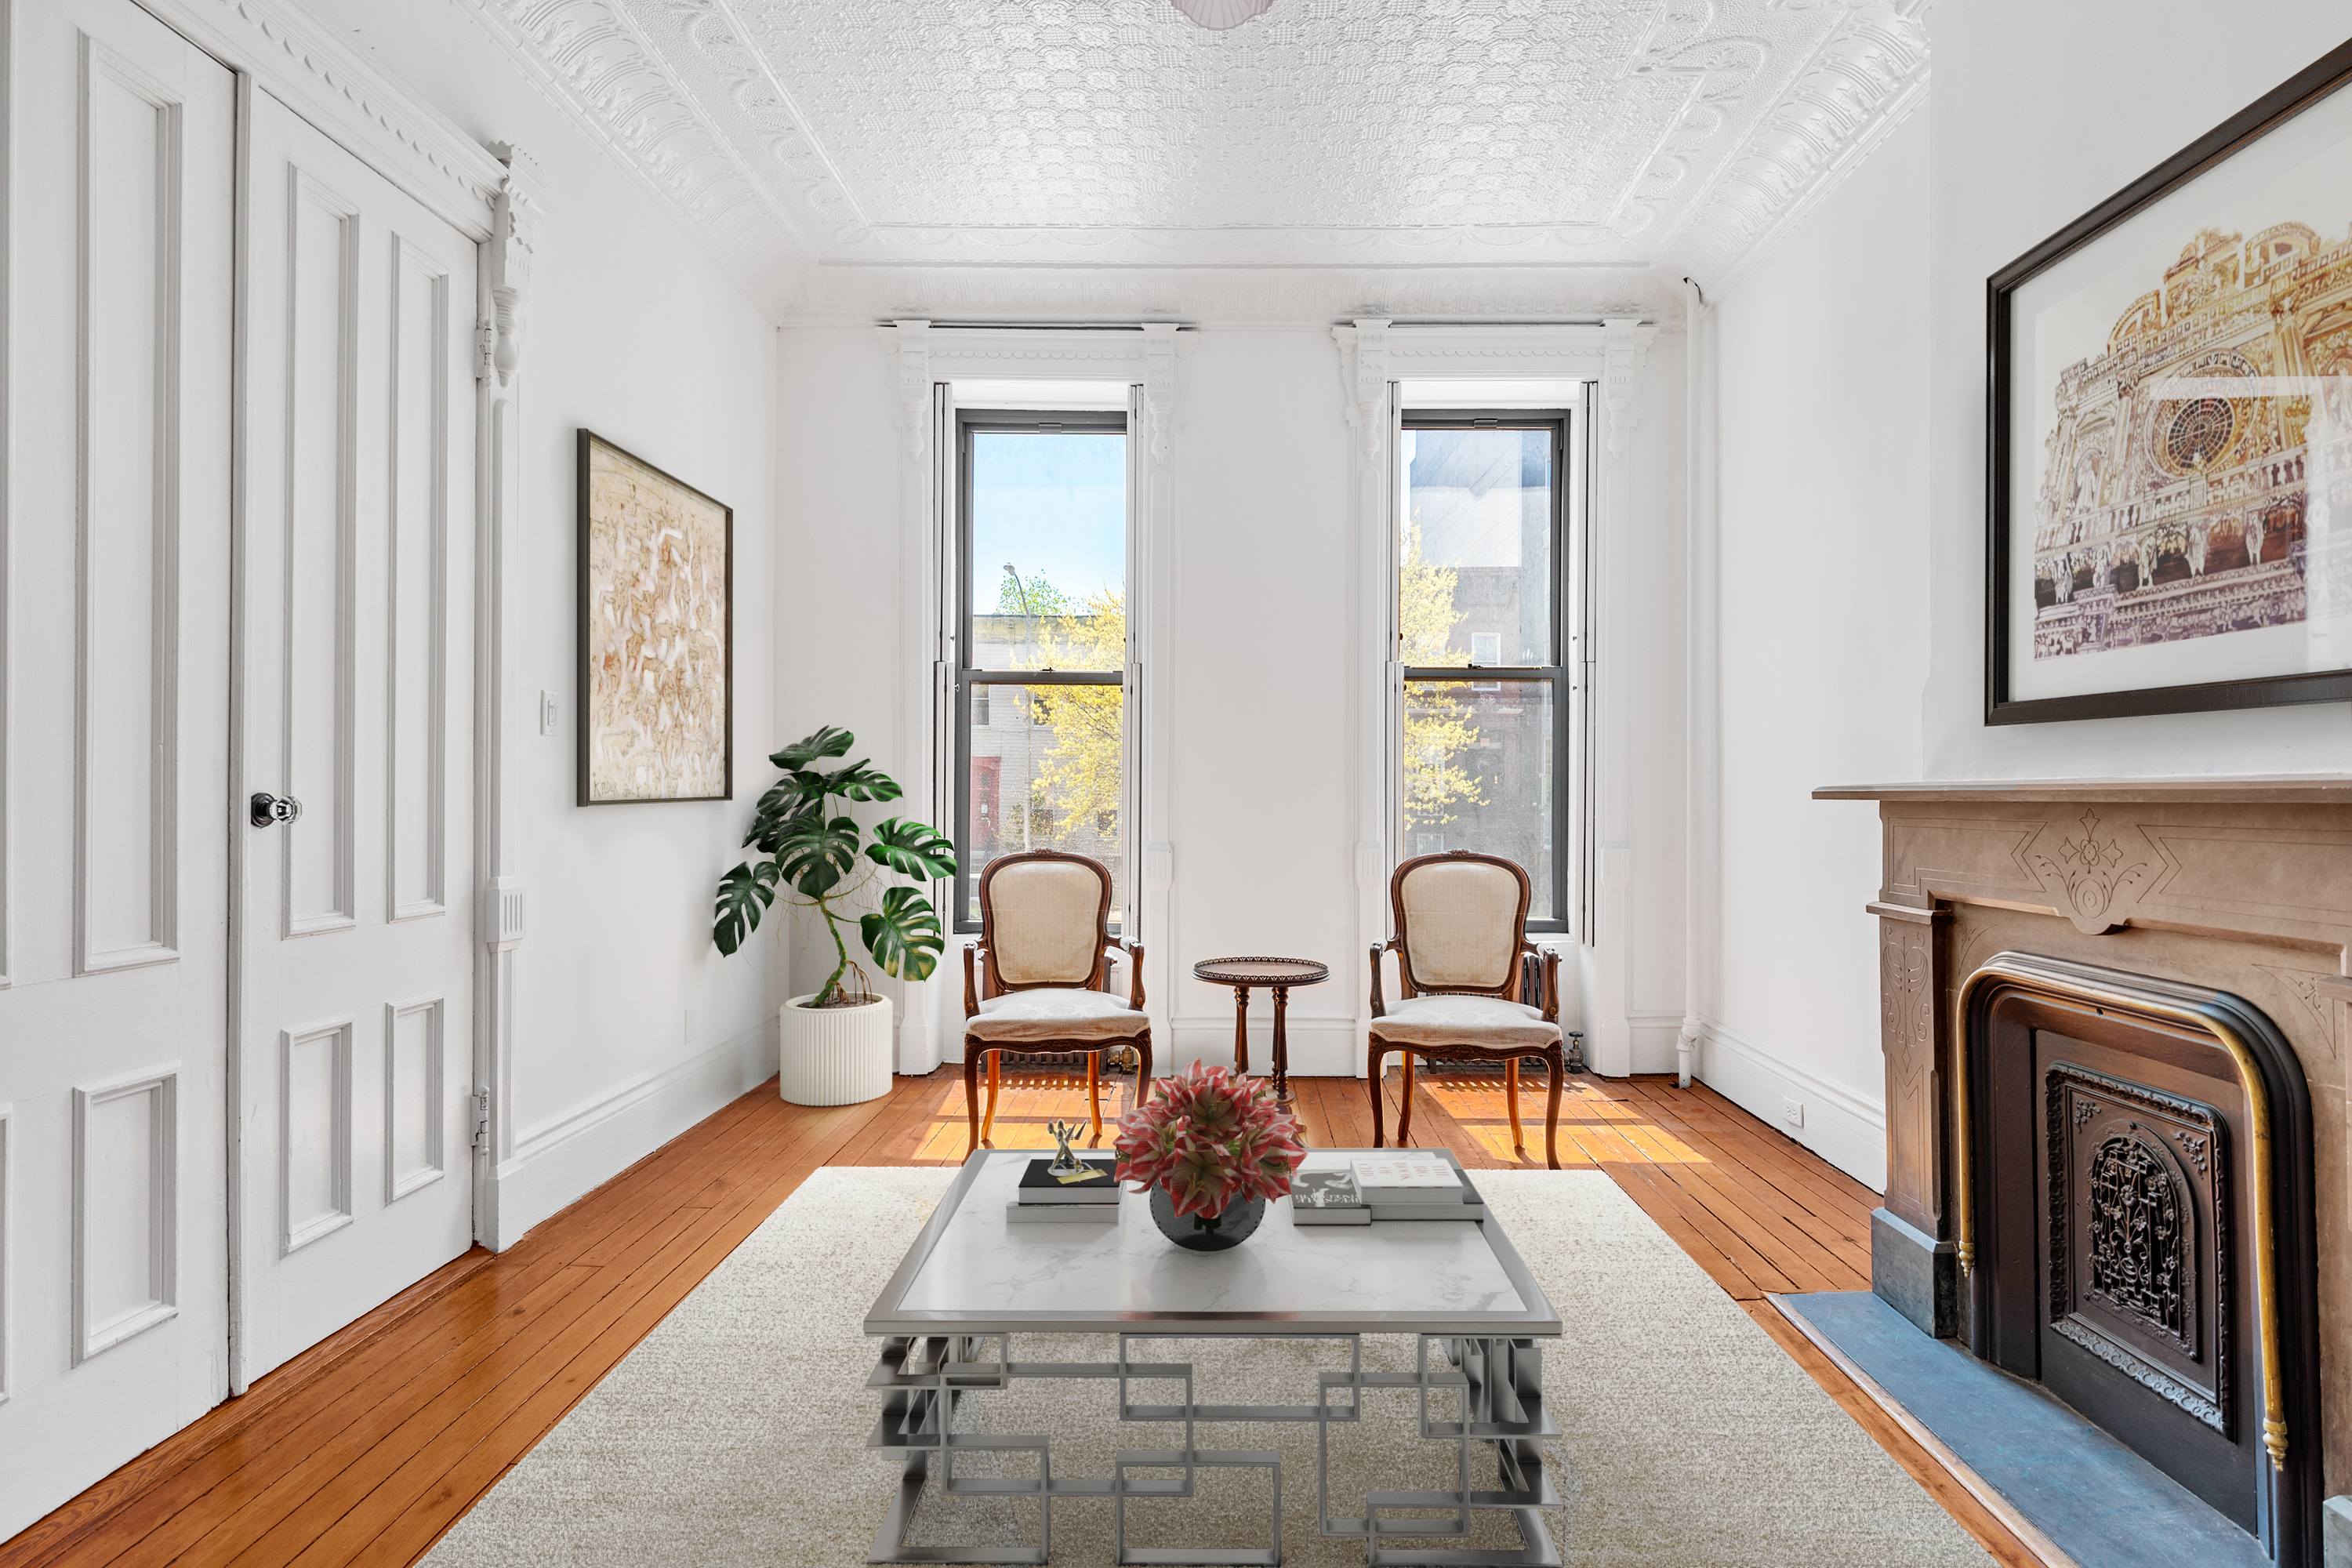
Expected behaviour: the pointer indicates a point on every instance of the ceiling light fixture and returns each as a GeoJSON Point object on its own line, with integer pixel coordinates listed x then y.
{"type": "Point", "coordinates": [1219, 15]}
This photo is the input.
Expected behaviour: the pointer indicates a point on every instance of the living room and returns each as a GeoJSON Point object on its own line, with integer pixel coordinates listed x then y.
{"type": "Point", "coordinates": [655, 648]}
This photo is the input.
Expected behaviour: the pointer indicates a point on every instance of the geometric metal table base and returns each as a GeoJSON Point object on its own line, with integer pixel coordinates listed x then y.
{"type": "Point", "coordinates": [1498, 1388]}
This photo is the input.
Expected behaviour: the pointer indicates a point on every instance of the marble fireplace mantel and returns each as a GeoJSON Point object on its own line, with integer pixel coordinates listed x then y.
{"type": "Point", "coordinates": [2242, 884]}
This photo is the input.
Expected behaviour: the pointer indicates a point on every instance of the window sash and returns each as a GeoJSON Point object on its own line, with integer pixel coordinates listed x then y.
{"type": "Point", "coordinates": [1566, 756]}
{"type": "Point", "coordinates": [968, 677]}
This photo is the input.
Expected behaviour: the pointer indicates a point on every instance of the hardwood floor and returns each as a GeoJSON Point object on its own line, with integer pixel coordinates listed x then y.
{"type": "Point", "coordinates": [368, 1446]}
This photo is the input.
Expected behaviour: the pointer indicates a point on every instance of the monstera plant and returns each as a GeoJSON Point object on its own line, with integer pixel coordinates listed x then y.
{"type": "Point", "coordinates": [806, 846]}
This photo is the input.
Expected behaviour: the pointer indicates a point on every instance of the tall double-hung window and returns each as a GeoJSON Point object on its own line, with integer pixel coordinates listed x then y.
{"type": "Point", "coordinates": [1041, 704]}
{"type": "Point", "coordinates": [1482, 635]}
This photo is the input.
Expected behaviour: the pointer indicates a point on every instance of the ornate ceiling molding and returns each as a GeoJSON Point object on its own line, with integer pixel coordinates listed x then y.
{"type": "Point", "coordinates": [798, 166]}
{"type": "Point", "coordinates": [1863, 83]}
{"type": "Point", "coordinates": [594, 60]}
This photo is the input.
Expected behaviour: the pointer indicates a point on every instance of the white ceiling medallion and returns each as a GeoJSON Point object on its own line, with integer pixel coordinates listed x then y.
{"type": "Point", "coordinates": [1219, 15]}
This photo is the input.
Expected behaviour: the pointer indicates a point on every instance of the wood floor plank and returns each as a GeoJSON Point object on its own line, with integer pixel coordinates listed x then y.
{"type": "Point", "coordinates": [367, 1447]}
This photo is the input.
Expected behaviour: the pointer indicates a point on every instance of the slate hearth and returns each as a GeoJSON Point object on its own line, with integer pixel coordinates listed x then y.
{"type": "Point", "coordinates": [2113, 1014]}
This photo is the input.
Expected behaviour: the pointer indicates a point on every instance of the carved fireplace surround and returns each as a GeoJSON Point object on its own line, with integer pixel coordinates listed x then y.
{"type": "Point", "coordinates": [2234, 886]}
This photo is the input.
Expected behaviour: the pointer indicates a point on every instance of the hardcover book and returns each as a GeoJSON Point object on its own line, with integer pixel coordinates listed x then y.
{"type": "Point", "coordinates": [1326, 1195]}
{"type": "Point", "coordinates": [1041, 1183]}
{"type": "Point", "coordinates": [1054, 1214]}
{"type": "Point", "coordinates": [1412, 1181]}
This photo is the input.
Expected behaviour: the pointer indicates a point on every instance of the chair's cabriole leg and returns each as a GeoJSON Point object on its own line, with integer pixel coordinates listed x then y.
{"type": "Point", "coordinates": [1372, 1070]}
{"type": "Point", "coordinates": [1557, 1070]}
{"type": "Point", "coordinates": [1142, 1068]}
{"type": "Point", "coordinates": [1094, 1091]}
{"type": "Point", "coordinates": [995, 1073]}
{"type": "Point", "coordinates": [1511, 1102]}
{"type": "Point", "coordinates": [971, 1097]}
{"type": "Point", "coordinates": [1405, 1105]}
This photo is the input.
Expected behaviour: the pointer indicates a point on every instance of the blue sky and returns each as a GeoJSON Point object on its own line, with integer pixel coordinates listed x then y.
{"type": "Point", "coordinates": [1053, 504]}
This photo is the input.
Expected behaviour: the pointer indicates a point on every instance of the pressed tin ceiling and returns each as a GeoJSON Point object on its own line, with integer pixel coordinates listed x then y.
{"type": "Point", "coordinates": [806, 137]}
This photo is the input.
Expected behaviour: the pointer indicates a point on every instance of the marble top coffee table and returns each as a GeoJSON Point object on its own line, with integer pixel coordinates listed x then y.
{"type": "Point", "coordinates": [973, 1279]}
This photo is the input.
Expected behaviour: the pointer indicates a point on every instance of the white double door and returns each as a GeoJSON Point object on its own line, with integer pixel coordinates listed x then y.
{"type": "Point", "coordinates": [234, 1060]}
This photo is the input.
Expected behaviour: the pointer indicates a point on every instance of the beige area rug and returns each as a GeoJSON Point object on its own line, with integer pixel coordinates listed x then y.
{"type": "Point", "coordinates": [733, 1435]}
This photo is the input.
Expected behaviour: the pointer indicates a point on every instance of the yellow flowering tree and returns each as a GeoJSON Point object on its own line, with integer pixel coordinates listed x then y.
{"type": "Point", "coordinates": [1437, 725]}
{"type": "Point", "coordinates": [1081, 772]}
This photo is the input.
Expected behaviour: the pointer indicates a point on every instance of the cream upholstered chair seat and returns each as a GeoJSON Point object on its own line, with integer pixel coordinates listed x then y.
{"type": "Point", "coordinates": [1444, 1020]}
{"type": "Point", "coordinates": [1052, 1013]}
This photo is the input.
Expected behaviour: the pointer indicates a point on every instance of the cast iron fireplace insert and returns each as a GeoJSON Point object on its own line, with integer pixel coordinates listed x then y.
{"type": "Point", "coordinates": [2138, 1225]}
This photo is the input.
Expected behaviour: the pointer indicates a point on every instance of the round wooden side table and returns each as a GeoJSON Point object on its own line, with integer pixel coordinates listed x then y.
{"type": "Point", "coordinates": [1278, 975]}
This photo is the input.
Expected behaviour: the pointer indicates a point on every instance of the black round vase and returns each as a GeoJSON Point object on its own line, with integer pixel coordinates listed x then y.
{"type": "Point", "coordinates": [1230, 1226]}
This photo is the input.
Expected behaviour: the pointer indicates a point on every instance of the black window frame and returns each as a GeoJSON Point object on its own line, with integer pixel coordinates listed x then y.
{"type": "Point", "coordinates": [968, 422]}
{"type": "Point", "coordinates": [1559, 674]}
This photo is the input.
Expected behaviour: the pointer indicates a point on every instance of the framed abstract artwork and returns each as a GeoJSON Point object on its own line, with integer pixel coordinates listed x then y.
{"type": "Point", "coordinates": [2170, 485]}
{"type": "Point", "coordinates": [656, 699]}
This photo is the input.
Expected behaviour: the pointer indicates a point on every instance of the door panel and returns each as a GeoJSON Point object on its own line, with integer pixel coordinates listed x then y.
{"type": "Point", "coordinates": [113, 780]}
{"type": "Point", "coordinates": [355, 992]}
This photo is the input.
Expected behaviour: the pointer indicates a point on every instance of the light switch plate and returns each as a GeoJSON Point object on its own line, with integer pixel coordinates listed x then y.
{"type": "Point", "coordinates": [547, 713]}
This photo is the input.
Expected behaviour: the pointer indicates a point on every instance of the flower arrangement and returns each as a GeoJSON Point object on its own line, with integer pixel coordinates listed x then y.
{"type": "Point", "coordinates": [1212, 1137]}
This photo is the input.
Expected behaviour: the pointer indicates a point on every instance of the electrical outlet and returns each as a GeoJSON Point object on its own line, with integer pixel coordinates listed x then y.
{"type": "Point", "coordinates": [1792, 1111]}
{"type": "Point", "coordinates": [547, 713]}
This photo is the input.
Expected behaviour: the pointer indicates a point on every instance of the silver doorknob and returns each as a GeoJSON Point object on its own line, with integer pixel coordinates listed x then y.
{"type": "Point", "coordinates": [269, 810]}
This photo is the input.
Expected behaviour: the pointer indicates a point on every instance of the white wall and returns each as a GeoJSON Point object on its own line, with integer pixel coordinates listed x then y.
{"type": "Point", "coordinates": [1823, 359]}
{"type": "Point", "coordinates": [2042, 112]}
{"type": "Point", "coordinates": [1259, 686]}
{"type": "Point", "coordinates": [629, 1026]}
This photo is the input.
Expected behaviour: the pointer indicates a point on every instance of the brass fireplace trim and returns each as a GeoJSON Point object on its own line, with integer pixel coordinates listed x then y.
{"type": "Point", "coordinates": [2066, 986]}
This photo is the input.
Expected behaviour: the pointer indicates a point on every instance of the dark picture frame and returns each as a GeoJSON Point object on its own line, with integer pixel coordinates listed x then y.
{"type": "Point", "coordinates": [2201, 158]}
{"type": "Point", "coordinates": [663, 489]}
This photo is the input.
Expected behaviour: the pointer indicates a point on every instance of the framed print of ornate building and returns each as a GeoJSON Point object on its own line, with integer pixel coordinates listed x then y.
{"type": "Point", "coordinates": [2171, 499]}
{"type": "Point", "coordinates": [657, 600]}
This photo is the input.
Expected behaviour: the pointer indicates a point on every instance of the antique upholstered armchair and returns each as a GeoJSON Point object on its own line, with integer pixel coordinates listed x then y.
{"type": "Point", "coordinates": [1461, 930]}
{"type": "Point", "coordinates": [1044, 930]}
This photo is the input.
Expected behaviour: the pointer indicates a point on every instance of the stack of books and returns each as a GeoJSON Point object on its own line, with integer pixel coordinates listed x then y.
{"type": "Point", "coordinates": [1323, 1192]}
{"type": "Point", "coordinates": [1356, 1189]}
{"type": "Point", "coordinates": [1410, 1187]}
{"type": "Point", "coordinates": [1045, 1193]}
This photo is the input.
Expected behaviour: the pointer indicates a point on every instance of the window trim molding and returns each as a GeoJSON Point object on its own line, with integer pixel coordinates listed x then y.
{"type": "Point", "coordinates": [1610, 356]}
{"type": "Point", "coordinates": [924, 358]}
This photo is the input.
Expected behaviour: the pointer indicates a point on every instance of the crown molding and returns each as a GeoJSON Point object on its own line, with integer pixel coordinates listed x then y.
{"type": "Point", "coordinates": [1863, 83]}
{"type": "Point", "coordinates": [592, 62]}
{"type": "Point", "coordinates": [327, 82]}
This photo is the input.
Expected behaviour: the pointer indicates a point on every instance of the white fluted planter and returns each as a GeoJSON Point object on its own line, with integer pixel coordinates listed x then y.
{"type": "Point", "coordinates": [833, 1055]}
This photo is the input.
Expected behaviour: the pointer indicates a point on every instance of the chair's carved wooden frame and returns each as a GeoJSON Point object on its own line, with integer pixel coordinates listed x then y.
{"type": "Point", "coordinates": [1376, 1049]}
{"type": "Point", "coordinates": [992, 984]}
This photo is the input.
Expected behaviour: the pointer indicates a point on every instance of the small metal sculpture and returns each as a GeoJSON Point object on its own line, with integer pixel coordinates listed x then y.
{"type": "Point", "coordinates": [1065, 1161]}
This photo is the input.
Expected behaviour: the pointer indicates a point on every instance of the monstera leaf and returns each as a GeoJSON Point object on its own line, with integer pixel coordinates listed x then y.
{"type": "Point", "coordinates": [826, 743]}
{"type": "Point", "coordinates": [743, 893]}
{"type": "Point", "coordinates": [815, 852]}
{"type": "Point", "coordinates": [859, 782]}
{"type": "Point", "coordinates": [912, 849]}
{"type": "Point", "coordinates": [904, 936]}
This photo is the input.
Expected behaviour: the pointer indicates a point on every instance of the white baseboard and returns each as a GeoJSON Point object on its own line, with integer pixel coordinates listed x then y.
{"type": "Point", "coordinates": [1841, 1126]}
{"type": "Point", "coordinates": [1651, 1034]}
{"type": "Point", "coordinates": [558, 1160]}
